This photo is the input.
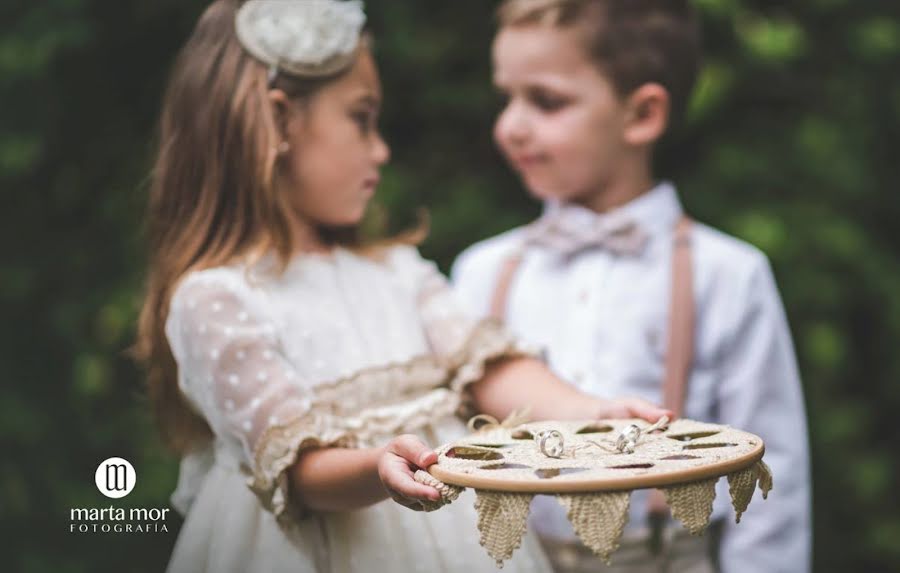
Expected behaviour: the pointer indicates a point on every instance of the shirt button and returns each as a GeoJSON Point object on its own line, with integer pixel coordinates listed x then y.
{"type": "Point", "coordinates": [583, 295]}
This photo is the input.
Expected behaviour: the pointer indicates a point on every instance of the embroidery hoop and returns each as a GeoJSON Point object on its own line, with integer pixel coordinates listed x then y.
{"type": "Point", "coordinates": [708, 461]}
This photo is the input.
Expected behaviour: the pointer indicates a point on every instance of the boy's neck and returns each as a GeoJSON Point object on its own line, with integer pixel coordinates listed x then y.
{"type": "Point", "coordinates": [617, 192]}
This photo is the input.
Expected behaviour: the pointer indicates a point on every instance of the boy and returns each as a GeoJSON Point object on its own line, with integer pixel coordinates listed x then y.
{"type": "Point", "coordinates": [613, 270]}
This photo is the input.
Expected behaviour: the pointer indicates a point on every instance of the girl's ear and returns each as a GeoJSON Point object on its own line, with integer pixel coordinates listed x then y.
{"type": "Point", "coordinates": [646, 114]}
{"type": "Point", "coordinates": [282, 110]}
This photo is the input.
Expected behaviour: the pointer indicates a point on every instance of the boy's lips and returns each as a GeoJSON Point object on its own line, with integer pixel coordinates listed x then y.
{"type": "Point", "coordinates": [526, 161]}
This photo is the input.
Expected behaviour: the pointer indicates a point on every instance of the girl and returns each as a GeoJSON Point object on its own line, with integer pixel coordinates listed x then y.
{"type": "Point", "coordinates": [296, 369]}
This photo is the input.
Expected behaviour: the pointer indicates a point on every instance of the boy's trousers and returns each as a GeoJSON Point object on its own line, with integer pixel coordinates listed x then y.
{"type": "Point", "coordinates": [679, 552]}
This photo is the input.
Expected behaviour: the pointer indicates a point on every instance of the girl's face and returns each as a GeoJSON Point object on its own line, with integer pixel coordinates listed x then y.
{"type": "Point", "coordinates": [336, 150]}
{"type": "Point", "coordinates": [562, 126]}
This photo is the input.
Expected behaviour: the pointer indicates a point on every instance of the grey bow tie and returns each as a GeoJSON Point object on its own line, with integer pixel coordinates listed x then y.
{"type": "Point", "coordinates": [617, 235]}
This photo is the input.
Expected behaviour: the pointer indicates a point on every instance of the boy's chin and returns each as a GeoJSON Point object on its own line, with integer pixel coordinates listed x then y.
{"type": "Point", "coordinates": [550, 193]}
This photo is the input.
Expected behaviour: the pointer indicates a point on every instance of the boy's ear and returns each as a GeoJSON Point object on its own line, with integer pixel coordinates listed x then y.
{"type": "Point", "coordinates": [647, 114]}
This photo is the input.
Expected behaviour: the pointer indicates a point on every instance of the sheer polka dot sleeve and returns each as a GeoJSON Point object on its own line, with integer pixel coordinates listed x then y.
{"type": "Point", "coordinates": [232, 369]}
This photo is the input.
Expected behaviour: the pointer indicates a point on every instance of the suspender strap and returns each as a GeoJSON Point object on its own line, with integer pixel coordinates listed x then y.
{"type": "Point", "coordinates": [501, 289]}
{"type": "Point", "coordinates": [679, 347]}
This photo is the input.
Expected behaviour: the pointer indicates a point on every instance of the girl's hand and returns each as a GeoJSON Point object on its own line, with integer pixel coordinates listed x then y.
{"type": "Point", "coordinates": [402, 456]}
{"type": "Point", "coordinates": [630, 408]}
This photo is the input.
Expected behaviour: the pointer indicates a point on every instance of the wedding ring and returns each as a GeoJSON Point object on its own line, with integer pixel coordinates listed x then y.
{"type": "Point", "coordinates": [631, 434]}
{"type": "Point", "coordinates": [628, 439]}
{"type": "Point", "coordinates": [551, 443]}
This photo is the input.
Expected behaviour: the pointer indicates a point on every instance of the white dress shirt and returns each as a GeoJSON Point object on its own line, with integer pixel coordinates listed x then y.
{"type": "Point", "coordinates": [602, 319]}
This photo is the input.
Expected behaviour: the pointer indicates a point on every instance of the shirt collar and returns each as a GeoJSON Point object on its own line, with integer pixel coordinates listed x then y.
{"type": "Point", "coordinates": [656, 211]}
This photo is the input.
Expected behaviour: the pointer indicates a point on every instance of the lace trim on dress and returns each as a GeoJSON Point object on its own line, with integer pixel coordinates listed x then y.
{"type": "Point", "coordinates": [381, 384]}
{"type": "Point", "coordinates": [489, 341]}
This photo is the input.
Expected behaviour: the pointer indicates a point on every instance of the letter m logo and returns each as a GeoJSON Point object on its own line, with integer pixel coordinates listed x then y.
{"type": "Point", "coordinates": [116, 477]}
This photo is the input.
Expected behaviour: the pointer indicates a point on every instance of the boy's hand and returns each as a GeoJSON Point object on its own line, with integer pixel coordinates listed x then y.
{"type": "Point", "coordinates": [401, 458]}
{"type": "Point", "coordinates": [630, 408]}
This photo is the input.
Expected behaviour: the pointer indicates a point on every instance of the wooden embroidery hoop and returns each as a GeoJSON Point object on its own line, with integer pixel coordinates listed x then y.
{"type": "Point", "coordinates": [604, 469]}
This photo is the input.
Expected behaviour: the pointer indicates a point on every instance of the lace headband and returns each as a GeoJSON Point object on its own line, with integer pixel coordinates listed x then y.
{"type": "Point", "coordinates": [301, 37]}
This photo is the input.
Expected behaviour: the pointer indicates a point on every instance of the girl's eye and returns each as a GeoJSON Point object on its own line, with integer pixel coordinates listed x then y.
{"type": "Point", "coordinates": [365, 120]}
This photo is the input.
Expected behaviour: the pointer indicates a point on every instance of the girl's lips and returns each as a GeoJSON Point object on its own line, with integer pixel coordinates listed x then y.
{"type": "Point", "coordinates": [370, 184]}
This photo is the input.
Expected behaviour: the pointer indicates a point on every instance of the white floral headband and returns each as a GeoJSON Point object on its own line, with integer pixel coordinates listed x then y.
{"type": "Point", "coordinates": [301, 37]}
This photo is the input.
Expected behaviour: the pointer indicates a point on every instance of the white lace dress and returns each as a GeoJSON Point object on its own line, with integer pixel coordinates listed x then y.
{"type": "Point", "coordinates": [339, 350]}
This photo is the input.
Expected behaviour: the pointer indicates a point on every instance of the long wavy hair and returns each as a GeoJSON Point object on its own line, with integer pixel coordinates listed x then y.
{"type": "Point", "coordinates": [215, 194]}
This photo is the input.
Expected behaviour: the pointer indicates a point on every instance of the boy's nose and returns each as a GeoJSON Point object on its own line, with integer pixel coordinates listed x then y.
{"type": "Point", "coordinates": [512, 126]}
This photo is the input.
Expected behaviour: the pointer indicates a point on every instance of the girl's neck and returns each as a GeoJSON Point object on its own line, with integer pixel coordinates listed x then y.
{"type": "Point", "coordinates": [307, 238]}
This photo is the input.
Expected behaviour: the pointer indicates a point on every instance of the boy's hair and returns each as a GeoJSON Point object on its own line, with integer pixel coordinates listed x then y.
{"type": "Point", "coordinates": [633, 42]}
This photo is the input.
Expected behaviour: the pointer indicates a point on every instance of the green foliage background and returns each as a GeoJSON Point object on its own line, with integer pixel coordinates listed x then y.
{"type": "Point", "coordinates": [791, 144]}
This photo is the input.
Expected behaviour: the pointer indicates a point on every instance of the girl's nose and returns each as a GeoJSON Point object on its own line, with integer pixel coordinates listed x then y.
{"type": "Point", "coordinates": [381, 153]}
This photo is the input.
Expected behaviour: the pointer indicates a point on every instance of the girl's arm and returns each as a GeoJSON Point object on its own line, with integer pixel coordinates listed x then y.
{"type": "Point", "coordinates": [338, 479]}
{"type": "Point", "coordinates": [519, 383]}
{"type": "Point", "coordinates": [236, 374]}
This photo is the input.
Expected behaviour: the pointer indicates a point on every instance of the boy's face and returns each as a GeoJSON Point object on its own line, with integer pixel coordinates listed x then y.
{"type": "Point", "coordinates": [562, 127]}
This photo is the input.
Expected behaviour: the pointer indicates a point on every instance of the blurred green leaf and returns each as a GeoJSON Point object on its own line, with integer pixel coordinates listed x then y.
{"type": "Point", "coordinates": [771, 39]}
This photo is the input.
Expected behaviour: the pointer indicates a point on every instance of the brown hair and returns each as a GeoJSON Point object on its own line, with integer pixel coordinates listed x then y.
{"type": "Point", "coordinates": [214, 194]}
{"type": "Point", "coordinates": [634, 42]}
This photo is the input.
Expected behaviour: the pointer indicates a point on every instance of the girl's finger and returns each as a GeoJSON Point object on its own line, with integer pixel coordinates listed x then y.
{"type": "Point", "coordinates": [413, 450]}
{"type": "Point", "coordinates": [412, 504]}
{"type": "Point", "coordinates": [400, 480]}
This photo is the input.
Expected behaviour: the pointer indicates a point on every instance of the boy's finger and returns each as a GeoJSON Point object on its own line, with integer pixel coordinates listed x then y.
{"type": "Point", "coordinates": [647, 410]}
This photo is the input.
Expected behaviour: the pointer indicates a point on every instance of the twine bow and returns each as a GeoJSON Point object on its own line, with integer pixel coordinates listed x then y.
{"type": "Point", "coordinates": [490, 423]}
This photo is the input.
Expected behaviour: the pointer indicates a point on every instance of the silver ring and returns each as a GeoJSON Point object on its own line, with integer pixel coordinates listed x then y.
{"type": "Point", "coordinates": [551, 443]}
{"type": "Point", "coordinates": [628, 439]}
{"type": "Point", "coordinates": [631, 434]}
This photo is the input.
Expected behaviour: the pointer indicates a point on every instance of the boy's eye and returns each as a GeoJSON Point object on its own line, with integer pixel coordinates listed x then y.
{"type": "Point", "coordinates": [546, 101]}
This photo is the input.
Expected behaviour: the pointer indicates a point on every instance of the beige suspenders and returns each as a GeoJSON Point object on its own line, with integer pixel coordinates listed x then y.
{"type": "Point", "coordinates": [501, 289]}
{"type": "Point", "coordinates": [680, 337]}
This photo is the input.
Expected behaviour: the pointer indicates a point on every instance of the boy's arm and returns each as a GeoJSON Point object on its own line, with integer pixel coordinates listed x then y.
{"type": "Point", "coordinates": [760, 392]}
